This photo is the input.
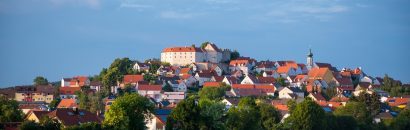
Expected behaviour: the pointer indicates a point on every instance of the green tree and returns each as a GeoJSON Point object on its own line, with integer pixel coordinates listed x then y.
{"type": "Point", "coordinates": [96, 103]}
{"type": "Point", "coordinates": [53, 104]}
{"type": "Point", "coordinates": [83, 100]}
{"type": "Point", "coordinates": [244, 117]}
{"type": "Point", "coordinates": [372, 102]}
{"type": "Point", "coordinates": [211, 113]}
{"type": "Point", "coordinates": [307, 116]}
{"type": "Point", "coordinates": [291, 105]}
{"type": "Point", "coordinates": [402, 121]}
{"type": "Point", "coordinates": [281, 81]}
{"type": "Point", "coordinates": [167, 88]}
{"type": "Point", "coordinates": [9, 111]}
{"type": "Point", "coordinates": [49, 124]}
{"type": "Point", "coordinates": [235, 55]}
{"type": "Point", "coordinates": [129, 112]}
{"type": "Point", "coordinates": [270, 117]}
{"type": "Point", "coordinates": [39, 80]}
{"type": "Point", "coordinates": [86, 126]}
{"type": "Point", "coordinates": [110, 79]}
{"type": "Point", "coordinates": [203, 45]}
{"type": "Point", "coordinates": [357, 110]}
{"type": "Point", "coordinates": [213, 93]}
{"type": "Point", "coordinates": [29, 125]}
{"type": "Point", "coordinates": [186, 115]}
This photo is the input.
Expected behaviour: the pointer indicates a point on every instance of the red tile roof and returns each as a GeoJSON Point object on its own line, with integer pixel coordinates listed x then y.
{"type": "Point", "coordinates": [243, 86]}
{"type": "Point", "coordinates": [318, 72]}
{"type": "Point", "coordinates": [132, 78]}
{"type": "Point", "coordinates": [79, 79]}
{"type": "Point", "coordinates": [397, 101]}
{"type": "Point", "coordinates": [266, 88]}
{"type": "Point", "coordinates": [212, 84]}
{"type": "Point", "coordinates": [67, 103]}
{"type": "Point", "coordinates": [266, 80]}
{"type": "Point", "coordinates": [71, 117]}
{"type": "Point", "coordinates": [281, 107]}
{"type": "Point", "coordinates": [318, 96]}
{"type": "Point", "coordinates": [239, 62]}
{"type": "Point", "coordinates": [150, 87]}
{"type": "Point", "coordinates": [69, 90]}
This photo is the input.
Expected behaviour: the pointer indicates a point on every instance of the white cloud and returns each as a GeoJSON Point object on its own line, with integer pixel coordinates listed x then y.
{"type": "Point", "coordinates": [133, 4]}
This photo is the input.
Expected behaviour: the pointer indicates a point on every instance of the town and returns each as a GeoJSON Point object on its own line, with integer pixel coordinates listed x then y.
{"type": "Point", "coordinates": [207, 87]}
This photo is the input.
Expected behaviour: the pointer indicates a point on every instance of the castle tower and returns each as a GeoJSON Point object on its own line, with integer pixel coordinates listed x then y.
{"type": "Point", "coordinates": [309, 60]}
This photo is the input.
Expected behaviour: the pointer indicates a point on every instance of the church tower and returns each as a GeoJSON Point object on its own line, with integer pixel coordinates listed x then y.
{"type": "Point", "coordinates": [309, 60]}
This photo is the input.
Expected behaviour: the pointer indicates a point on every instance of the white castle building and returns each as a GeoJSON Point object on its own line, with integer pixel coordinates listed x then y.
{"type": "Point", "coordinates": [187, 55]}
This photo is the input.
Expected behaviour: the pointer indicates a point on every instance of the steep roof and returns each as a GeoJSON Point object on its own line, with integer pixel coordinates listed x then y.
{"type": "Point", "coordinates": [71, 117]}
{"type": "Point", "coordinates": [67, 103]}
{"type": "Point", "coordinates": [318, 72]}
{"type": "Point", "coordinates": [266, 80]}
{"type": "Point", "coordinates": [132, 78]}
{"type": "Point", "coordinates": [69, 90]}
{"type": "Point", "coordinates": [243, 86]}
{"type": "Point", "coordinates": [212, 84]}
{"type": "Point", "coordinates": [150, 87]}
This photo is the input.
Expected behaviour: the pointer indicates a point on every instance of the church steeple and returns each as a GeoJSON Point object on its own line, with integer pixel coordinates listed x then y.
{"type": "Point", "coordinates": [309, 60]}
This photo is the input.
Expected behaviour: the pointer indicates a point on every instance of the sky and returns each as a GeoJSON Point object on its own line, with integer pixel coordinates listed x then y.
{"type": "Point", "coordinates": [65, 38]}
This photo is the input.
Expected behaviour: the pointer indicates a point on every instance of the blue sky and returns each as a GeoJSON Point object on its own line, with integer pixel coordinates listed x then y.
{"type": "Point", "coordinates": [64, 38]}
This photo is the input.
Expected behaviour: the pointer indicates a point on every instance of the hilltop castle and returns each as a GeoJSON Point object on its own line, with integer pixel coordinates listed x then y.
{"type": "Point", "coordinates": [187, 55]}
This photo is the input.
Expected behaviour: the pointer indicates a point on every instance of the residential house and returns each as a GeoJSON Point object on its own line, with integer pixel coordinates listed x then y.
{"type": "Point", "coordinates": [249, 79]}
{"type": "Point", "coordinates": [272, 73]}
{"type": "Point", "coordinates": [69, 92]}
{"type": "Point", "coordinates": [96, 86]}
{"type": "Point", "coordinates": [266, 80]}
{"type": "Point", "coordinates": [36, 116]}
{"type": "Point", "coordinates": [363, 87]}
{"type": "Point", "coordinates": [131, 79]}
{"type": "Point", "coordinates": [229, 80]}
{"type": "Point", "coordinates": [73, 117]}
{"type": "Point", "coordinates": [285, 71]}
{"type": "Point", "coordinates": [68, 103]}
{"type": "Point", "coordinates": [152, 91]}
{"type": "Point", "coordinates": [173, 97]}
{"type": "Point", "coordinates": [178, 85]}
{"type": "Point", "coordinates": [316, 97]}
{"type": "Point", "coordinates": [212, 84]}
{"type": "Point", "coordinates": [24, 93]}
{"type": "Point", "coordinates": [243, 64]}
{"type": "Point", "coordinates": [322, 74]}
{"type": "Point", "coordinates": [8, 93]}
{"type": "Point", "coordinates": [189, 80]}
{"type": "Point", "coordinates": [230, 102]}
{"type": "Point", "coordinates": [44, 93]}
{"type": "Point", "coordinates": [217, 78]}
{"type": "Point", "coordinates": [291, 93]}
{"type": "Point", "coordinates": [202, 77]}
{"type": "Point", "coordinates": [264, 66]}
{"type": "Point", "coordinates": [141, 67]}
{"type": "Point", "coordinates": [65, 82]}
{"type": "Point", "coordinates": [185, 71]}
{"type": "Point", "coordinates": [79, 81]}
{"type": "Point", "coordinates": [158, 120]}
{"type": "Point", "coordinates": [269, 89]}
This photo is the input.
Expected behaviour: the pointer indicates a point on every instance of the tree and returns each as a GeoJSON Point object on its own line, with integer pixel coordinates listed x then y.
{"type": "Point", "coordinates": [53, 104]}
{"type": "Point", "coordinates": [49, 124]}
{"type": "Point", "coordinates": [39, 80]}
{"type": "Point", "coordinates": [186, 115]}
{"type": "Point", "coordinates": [130, 111]}
{"type": "Point", "coordinates": [96, 103]}
{"type": "Point", "coordinates": [211, 113]}
{"type": "Point", "coordinates": [167, 88]}
{"type": "Point", "coordinates": [235, 55]}
{"type": "Point", "coordinates": [213, 93]}
{"type": "Point", "coordinates": [83, 100]}
{"type": "Point", "coordinates": [357, 110]}
{"type": "Point", "coordinates": [203, 45]}
{"type": "Point", "coordinates": [372, 102]}
{"type": "Point", "coordinates": [244, 117]}
{"type": "Point", "coordinates": [29, 125]}
{"type": "Point", "coordinates": [86, 126]}
{"type": "Point", "coordinates": [291, 105]}
{"type": "Point", "coordinates": [9, 111]}
{"type": "Point", "coordinates": [281, 82]}
{"type": "Point", "coordinates": [150, 77]}
{"type": "Point", "coordinates": [307, 116]}
{"type": "Point", "coordinates": [402, 121]}
{"type": "Point", "coordinates": [110, 79]}
{"type": "Point", "coordinates": [270, 117]}
{"type": "Point", "coordinates": [329, 92]}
